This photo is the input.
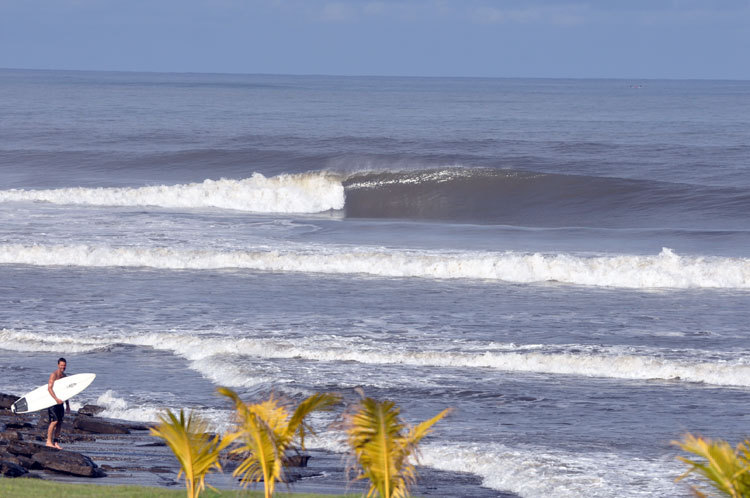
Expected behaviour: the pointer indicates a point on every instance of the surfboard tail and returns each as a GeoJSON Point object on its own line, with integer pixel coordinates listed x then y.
{"type": "Point", "coordinates": [19, 406]}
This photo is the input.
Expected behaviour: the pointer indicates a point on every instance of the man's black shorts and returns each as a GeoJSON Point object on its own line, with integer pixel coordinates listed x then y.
{"type": "Point", "coordinates": [56, 413]}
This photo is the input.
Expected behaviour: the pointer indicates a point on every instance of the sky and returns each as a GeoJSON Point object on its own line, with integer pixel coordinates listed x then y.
{"type": "Point", "coordinates": [682, 39]}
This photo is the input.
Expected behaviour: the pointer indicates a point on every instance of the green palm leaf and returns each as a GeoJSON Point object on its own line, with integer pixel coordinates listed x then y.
{"type": "Point", "coordinates": [727, 470]}
{"type": "Point", "coordinates": [384, 446]}
{"type": "Point", "coordinates": [196, 451]}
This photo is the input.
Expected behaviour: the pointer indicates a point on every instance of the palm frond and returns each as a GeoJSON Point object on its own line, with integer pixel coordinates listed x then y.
{"type": "Point", "coordinates": [195, 450]}
{"type": "Point", "coordinates": [265, 431]}
{"type": "Point", "coordinates": [317, 402]}
{"type": "Point", "coordinates": [384, 445]}
{"type": "Point", "coordinates": [726, 469]}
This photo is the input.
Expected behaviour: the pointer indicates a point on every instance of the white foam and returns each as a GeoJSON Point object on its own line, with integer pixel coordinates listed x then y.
{"type": "Point", "coordinates": [540, 472]}
{"type": "Point", "coordinates": [211, 356]}
{"type": "Point", "coordinates": [665, 270]}
{"type": "Point", "coordinates": [532, 471]}
{"type": "Point", "coordinates": [12, 340]}
{"type": "Point", "coordinates": [299, 193]}
{"type": "Point", "coordinates": [118, 408]}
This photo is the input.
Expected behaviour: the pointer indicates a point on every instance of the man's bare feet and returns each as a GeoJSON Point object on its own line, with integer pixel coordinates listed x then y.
{"type": "Point", "coordinates": [55, 445]}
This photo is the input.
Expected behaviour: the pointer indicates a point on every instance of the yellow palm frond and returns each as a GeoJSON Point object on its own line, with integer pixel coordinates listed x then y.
{"type": "Point", "coordinates": [196, 451]}
{"type": "Point", "coordinates": [727, 470]}
{"type": "Point", "coordinates": [260, 446]}
{"type": "Point", "coordinates": [265, 431]}
{"type": "Point", "coordinates": [384, 446]}
{"type": "Point", "coordinates": [298, 424]}
{"type": "Point", "coordinates": [273, 413]}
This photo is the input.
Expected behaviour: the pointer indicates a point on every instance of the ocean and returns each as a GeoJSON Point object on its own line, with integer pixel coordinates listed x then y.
{"type": "Point", "coordinates": [566, 263]}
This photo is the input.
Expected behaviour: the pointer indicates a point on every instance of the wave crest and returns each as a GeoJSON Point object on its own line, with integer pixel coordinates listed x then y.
{"type": "Point", "coordinates": [665, 270]}
{"type": "Point", "coordinates": [210, 356]}
{"type": "Point", "coordinates": [299, 193]}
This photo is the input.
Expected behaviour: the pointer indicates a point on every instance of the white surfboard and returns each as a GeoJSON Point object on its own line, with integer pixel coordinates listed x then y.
{"type": "Point", "coordinates": [65, 388]}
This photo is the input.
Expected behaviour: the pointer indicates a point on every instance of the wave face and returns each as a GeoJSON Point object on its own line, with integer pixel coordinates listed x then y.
{"type": "Point", "coordinates": [541, 199]}
{"type": "Point", "coordinates": [456, 194]}
{"type": "Point", "coordinates": [665, 270]}
{"type": "Point", "coordinates": [298, 193]}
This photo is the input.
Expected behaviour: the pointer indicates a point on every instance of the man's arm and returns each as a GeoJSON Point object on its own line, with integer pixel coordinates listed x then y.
{"type": "Point", "coordinates": [49, 388]}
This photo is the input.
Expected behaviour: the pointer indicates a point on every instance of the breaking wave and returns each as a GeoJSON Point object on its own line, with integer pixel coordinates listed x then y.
{"type": "Point", "coordinates": [211, 357]}
{"type": "Point", "coordinates": [299, 193]}
{"type": "Point", "coordinates": [456, 194]}
{"type": "Point", "coordinates": [532, 471]}
{"type": "Point", "coordinates": [664, 270]}
{"type": "Point", "coordinates": [538, 471]}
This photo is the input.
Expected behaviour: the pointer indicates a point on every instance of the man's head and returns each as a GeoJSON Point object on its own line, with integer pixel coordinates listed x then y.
{"type": "Point", "coordinates": [61, 364]}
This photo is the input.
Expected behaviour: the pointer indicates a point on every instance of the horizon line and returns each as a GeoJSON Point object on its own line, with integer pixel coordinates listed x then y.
{"type": "Point", "coordinates": [333, 75]}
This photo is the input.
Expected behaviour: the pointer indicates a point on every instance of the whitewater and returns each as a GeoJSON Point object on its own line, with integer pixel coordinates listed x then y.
{"type": "Point", "coordinates": [561, 262]}
{"type": "Point", "coordinates": [665, 270]}
{"type": "Point", "coordinates": [207, 355]}
{"type": "Point", "coordinates": [302, 193]}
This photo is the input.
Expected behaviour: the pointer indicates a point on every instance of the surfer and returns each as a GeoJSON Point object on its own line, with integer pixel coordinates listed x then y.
{"type": "Point", "coordinates": [56, 412]}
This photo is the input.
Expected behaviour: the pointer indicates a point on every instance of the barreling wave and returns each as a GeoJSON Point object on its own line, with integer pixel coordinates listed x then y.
{"type": "Point", "coordinates": [298, 193]}
{"type": "Point", "coordinates": [664, 270]}
{"type": "Point", "coordinates": [525, 198]}
{"type": "Point", "coordinates": [211, 356]}
{"type": "Point", "coordinates": [455, 194]}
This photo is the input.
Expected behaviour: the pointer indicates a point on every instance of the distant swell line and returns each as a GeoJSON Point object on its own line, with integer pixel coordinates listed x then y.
{"type": "Point", "coordinates": [300, 193]}
{"type": "Point", "coordinates": [665, 270]}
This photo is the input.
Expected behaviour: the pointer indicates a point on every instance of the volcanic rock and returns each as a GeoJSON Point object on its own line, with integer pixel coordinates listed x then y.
{"type": "Point", "coordinates": [98, 426]}
{"type": "Point", "coordinates": [10, 469]}
{"type": "Point", "coordinates": [90, 410]}
{"type": "Point", "coordinates": [69, 462]}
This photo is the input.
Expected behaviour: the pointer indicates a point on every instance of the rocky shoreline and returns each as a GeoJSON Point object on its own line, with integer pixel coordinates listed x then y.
{"type": "Point", "coordinates": [105, 451]}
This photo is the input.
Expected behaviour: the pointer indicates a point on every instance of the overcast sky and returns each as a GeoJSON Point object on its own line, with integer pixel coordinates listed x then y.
{"type": "Point", "coordinates": [708, 39]}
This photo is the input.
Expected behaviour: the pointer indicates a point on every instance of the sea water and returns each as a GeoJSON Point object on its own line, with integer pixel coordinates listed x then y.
{"type": "Point", "coordinates": [566, 263]}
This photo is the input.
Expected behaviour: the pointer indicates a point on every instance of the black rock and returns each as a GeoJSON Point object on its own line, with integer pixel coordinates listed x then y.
{"type": "Point", "coordinates": [68, 462]}
{"type": "Point", "coordinates": [6, 400]}
{"type": "Point", "coordinates": [28, 449]}
{"type": "Point", "coordinates": [296, 460]}
{"type": "Point", "coordinates": [21, 460]}
{"type": "Point", "coordinates": [90, 410]}
{"type": "Point", "coordinates": [25, 462]}
{"type": "Point", "coordinates": [155, 443]}
{"type": "Point", "coordinates": [97, 426]}
{"type": "Point", "coordinates": [10, 469]}
{"type": "Point", "coordinates": [7, 436]}
{"type": "Point", "coordinates": [19, 425]}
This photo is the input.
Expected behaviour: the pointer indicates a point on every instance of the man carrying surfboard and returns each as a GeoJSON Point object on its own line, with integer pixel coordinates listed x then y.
{"type": "Point", "coordinates": [56, 412]}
